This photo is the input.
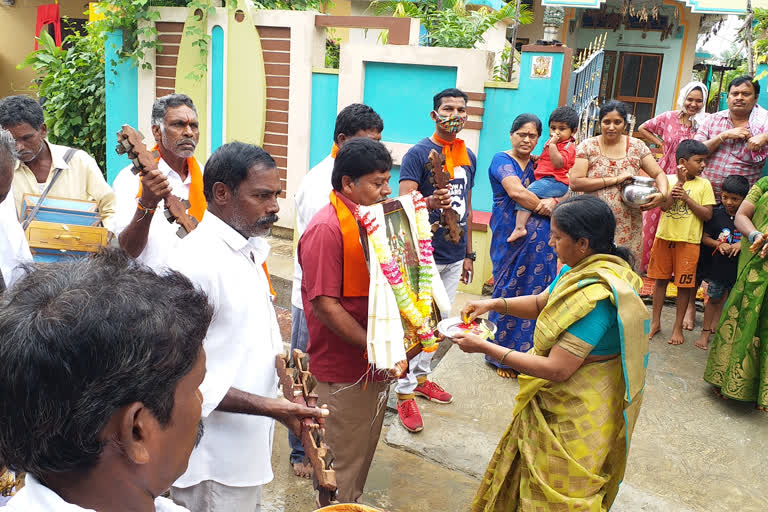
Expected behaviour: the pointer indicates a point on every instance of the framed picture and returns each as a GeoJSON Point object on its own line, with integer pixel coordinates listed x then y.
{"type": "Point", "coordinates": [541, 67]}
{"type": "Point", "coordinates": [404, 247]}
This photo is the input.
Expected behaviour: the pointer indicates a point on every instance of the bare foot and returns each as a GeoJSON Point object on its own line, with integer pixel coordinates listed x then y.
{"type": "Point", "coordinates": [517, 233]}
{"type": "Point", "coordinates": [689, 320]}
{"type": "Point", "coordinates": [303, 469]}
{"type": "Point", "coordinates": [703, 341]}
{"type": "Point", "coordinates": [506, 373]}
{"type": "Point", "coordinates": [655, 328]}
{"type": "Point", "coordinates": [676, 338]}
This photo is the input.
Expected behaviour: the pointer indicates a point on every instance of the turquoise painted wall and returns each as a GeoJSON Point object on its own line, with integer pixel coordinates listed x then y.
{"type": "Point", "coordinates": [632, 41]}
{"type": "Point", "coordinates": [325, 91]}
{"type": "Point", "coordinates": [217, 88]}
{"type": "Point", "coordinates": [402, 95]}
{"type": "Point", "coordinates": [762, 100]}
{"type": "Point", "coordinates": [122, 99]}
{"type": "Point", "coordinates": [501, 108]}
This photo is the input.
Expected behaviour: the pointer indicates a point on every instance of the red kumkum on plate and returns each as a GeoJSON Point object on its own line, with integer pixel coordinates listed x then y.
{"type": "Point", "coordinates": [455, 325]}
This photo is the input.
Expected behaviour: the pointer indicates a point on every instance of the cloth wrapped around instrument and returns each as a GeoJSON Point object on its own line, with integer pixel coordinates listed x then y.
{"type": "Point", "coordinates": [391, 337]}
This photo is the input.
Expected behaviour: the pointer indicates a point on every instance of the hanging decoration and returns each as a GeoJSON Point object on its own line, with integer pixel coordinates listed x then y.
{"type": "Point", "coordinates": [416, 308]}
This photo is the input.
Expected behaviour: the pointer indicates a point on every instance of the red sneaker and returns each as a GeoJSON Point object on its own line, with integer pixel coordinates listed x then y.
{"type": "Point", "coordinates": [409, 415]}
{"type": "Point", "coordinates": [433, 393]}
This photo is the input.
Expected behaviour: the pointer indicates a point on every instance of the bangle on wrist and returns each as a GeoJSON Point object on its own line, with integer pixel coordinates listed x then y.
{"type": "Point", "coordinates": [506, 305]}
{"type": "Point", "coordinates": [144, 208]}
{"type": "Point", "coordinates": [753, 236]}
{"type": "Point", "coordinates": [501, 361]}
{"type": "Point", "coordinates": [721, 138]}
{"type": "Point", "coordinates": [604, 185]}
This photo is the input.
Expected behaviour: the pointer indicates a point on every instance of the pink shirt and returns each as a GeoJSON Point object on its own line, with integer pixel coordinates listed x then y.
{"type": "Point", "coordinates": [733, 156]}
{"type": "Point", "coordinates": [668, 127]}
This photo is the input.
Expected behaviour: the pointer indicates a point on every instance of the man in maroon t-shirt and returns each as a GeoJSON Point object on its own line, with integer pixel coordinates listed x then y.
{"type": "Point", "coordinates": [334, 291]}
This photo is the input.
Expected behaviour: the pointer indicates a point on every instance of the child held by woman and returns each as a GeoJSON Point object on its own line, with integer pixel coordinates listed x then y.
{"type": "Point", "coordinates": [552, 167]}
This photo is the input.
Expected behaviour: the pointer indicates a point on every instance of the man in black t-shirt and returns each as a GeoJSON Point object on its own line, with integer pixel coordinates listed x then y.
{"type": "Point", "coordinates": [454, 260]}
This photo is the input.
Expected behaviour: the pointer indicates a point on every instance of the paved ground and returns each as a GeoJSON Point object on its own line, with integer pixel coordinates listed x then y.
{"type": "Point", "coordinates": [691, 451]}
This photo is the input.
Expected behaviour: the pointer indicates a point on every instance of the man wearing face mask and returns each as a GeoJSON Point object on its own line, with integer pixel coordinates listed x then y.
{"type": "Point", "coordinates": [143, 231]}
{"type": "Point", "coordinates": [38, 161]}
{"type": "Point", "coordinates": [454, 261]}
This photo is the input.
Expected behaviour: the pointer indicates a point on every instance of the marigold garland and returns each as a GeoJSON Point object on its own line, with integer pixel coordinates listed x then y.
{"type": "Point", "coordinates": [416, 309]}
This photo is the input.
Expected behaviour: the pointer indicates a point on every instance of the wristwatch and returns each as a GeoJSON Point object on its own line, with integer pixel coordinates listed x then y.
{"type": "Point", "coordinates": [471, 256]}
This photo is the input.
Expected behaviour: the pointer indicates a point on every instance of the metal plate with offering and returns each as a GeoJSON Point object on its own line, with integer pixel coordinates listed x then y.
{"type": "Point", "coordinates": [455, 325]}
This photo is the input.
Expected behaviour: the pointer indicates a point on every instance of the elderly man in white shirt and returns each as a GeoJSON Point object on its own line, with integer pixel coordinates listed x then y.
{"type": "Point", "coordinates": [100, 396]}
{"type": "Point", "coordinates": [355, 120]}
{"type": "Point", "coordinates": [225, 256]}
{"type": "Point", "coordinates": [143, 230]}
{"type": "Point", "coordinates": [15, 250]}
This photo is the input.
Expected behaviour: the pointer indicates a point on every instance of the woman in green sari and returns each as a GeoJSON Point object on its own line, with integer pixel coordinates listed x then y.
{"type": "Point", "coordinates": [581, 384]}
{"type": "Point", "coordinates": [738, 358]}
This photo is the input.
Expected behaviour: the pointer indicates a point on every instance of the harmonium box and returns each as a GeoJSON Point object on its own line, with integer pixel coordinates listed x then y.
{"type": "Point", "coordinates": [62, 228]}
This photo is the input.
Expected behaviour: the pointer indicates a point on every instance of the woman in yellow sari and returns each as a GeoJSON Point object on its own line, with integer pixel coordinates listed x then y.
{"type": "Point", "coordinates": [581, 384]}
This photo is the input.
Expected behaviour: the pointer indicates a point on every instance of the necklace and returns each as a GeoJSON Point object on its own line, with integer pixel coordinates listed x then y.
{"type": "Point", "coordinates": [417, 309]}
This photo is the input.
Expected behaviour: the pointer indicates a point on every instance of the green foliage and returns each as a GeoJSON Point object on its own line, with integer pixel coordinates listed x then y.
{"type": "Point", "coordinates": [452, 25]}
{"type": "Point", "coordinates": [332, 49]}
{"type": "Point", "coordinates": [72, 83]}
{"type": "Point", "coordinates": [137, 21]}
{"type": "Point", "coordinates": [292, 5]}
{"type": "Point", "coordinates": [501, 70]}
{"type": "Point", "coordinates": [761, 32]}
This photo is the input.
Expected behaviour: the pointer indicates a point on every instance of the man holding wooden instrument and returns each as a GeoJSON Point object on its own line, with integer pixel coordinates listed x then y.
{"type": "Point", "coordinates": [453, 255]}
{"type": "Point", "coordinates": [143, 231]}
{"type": "Point", "coordinates": [225, 257]}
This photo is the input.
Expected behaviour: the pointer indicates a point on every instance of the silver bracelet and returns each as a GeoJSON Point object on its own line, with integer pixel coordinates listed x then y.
{"type": "Point", "coordinates": [753, 236]}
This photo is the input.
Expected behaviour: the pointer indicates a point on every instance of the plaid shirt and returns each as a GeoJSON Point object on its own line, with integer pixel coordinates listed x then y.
{"type": "Point", "coordinates": [733, 157]}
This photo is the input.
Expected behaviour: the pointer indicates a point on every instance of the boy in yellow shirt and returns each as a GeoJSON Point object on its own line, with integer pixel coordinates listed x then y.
{"type": "Point", "coordinates": [675, 251]}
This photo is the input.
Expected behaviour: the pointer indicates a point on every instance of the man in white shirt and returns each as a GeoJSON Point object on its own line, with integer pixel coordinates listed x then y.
{"type": "Point", "coordinates": [143, 230]}
{"type": "Point", "coordinates": [15, 250]}
{"type": "Point", "coordinates": [100, 399]}
{"type": "Point", "coordinates": [225, 257]}
{"type": "Point", "coordinates": [79, 178]}
{"type": "Point", "coordinates": [355, 120]}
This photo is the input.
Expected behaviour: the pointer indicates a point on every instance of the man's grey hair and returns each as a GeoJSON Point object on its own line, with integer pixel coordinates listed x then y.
{"type": "Point", "coordinates": [162, 104]}
{"type": "Point", "coordinates": [7, 146]}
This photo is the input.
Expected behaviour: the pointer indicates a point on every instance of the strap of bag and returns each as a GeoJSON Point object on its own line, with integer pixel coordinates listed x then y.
{"type": "Point", "coordinates": [56, 172]}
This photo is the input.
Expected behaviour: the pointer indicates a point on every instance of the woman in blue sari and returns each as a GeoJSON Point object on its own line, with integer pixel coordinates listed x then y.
{"type": "Point", "coordinates": [528, 265]}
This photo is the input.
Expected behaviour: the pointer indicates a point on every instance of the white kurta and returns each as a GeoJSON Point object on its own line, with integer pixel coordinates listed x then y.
{"type": "Point", "coordinates": [242, 342]}
{"type": "Point", "coordinates": [35, 497]}
{"type": "Point", "coordinates": [14, 249]}
{"type": "Point", "coordinates": [162, 237]}
{"type": "Point", "coordinates": [312, 196]}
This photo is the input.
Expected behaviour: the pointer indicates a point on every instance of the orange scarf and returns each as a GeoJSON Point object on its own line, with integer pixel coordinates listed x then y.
{"type": "Point", "coordinates": [334, 150]}
{"type": "Point", "coordinates": [269, 281]}
{"type": "Point", "coordinates": [356, 277]}
{"type": "Point", "coordinates": [455, 153]}
{"type": "Point", "coordinates": [196, 197]}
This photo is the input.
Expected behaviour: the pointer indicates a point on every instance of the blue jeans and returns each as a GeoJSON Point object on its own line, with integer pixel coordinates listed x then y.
{"type": "Point", "coordinates": [299, 338]}
{"type": "Point", "coordinates": [546, 187]}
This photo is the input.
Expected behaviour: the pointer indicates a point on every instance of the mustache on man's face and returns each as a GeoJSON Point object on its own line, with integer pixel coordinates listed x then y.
{"type": "Point", "coordinates": [267, 220]}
